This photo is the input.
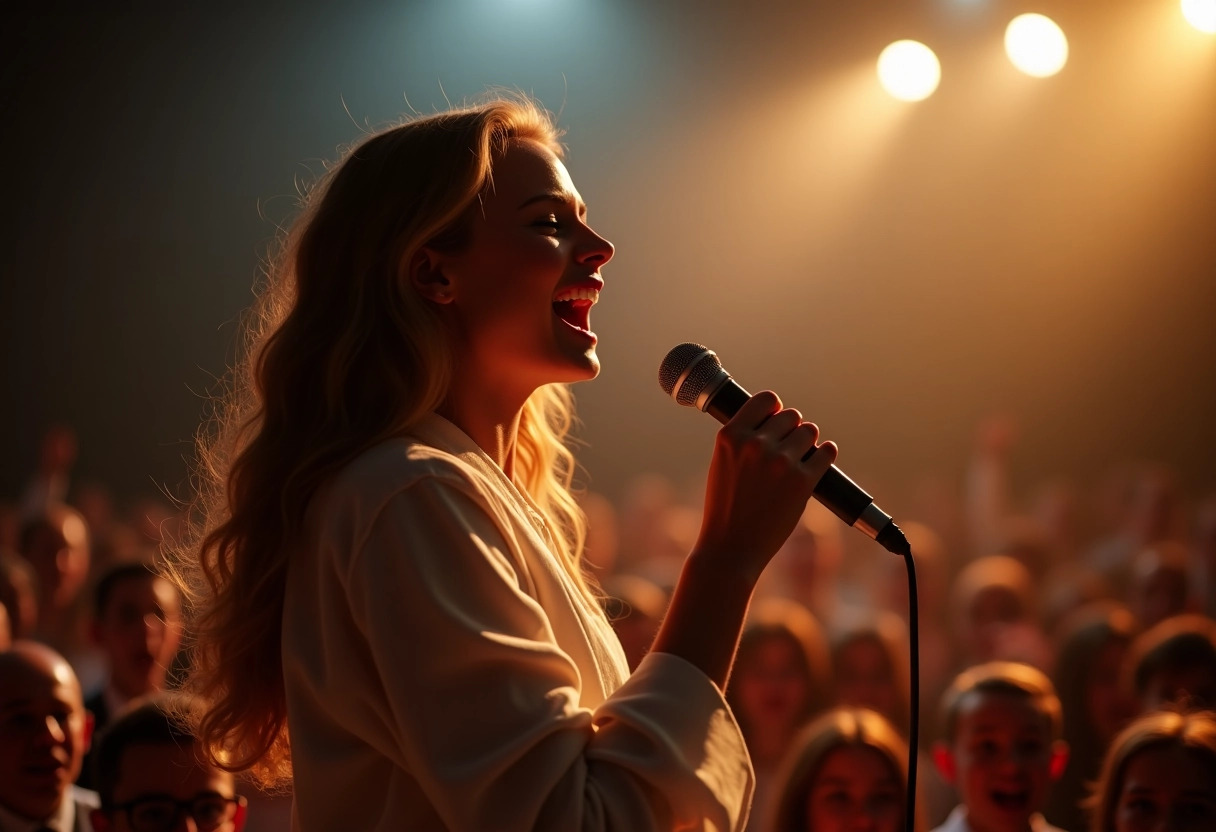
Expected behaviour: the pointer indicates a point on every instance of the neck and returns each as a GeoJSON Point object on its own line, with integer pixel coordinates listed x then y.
{"type": "Point", "coordinates": [488, 414]}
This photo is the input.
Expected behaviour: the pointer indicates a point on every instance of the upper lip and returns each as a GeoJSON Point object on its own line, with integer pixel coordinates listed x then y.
{"type": "Point", "coordinates": [595, 284]}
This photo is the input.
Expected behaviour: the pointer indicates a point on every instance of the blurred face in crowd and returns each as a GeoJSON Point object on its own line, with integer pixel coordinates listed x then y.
{"type": "Point", "coordinates": [167, 788]}
{"type": "Point", "coordinates": [856, 790]}
{"type": "Point", "coordinates": [771, 685]}
{"type": "Point", "coordinates": [864, 677]}
{"type": "Point", "coordinates": [44, 730]}
{"type": "Point", "coordinates": [1002, 760]}
{"type": "Point", "coordinates": [1106, 701]}
{"type": "Point", "coordinates": [59, 552]}
{"type": "Point", "coordinates": [1167, 788]}
{"type": "Point", "coordinates": [993, 609]}
{"type": "Point", "coordinates": [140, 630]}
{"type": "Point", "coordinates": [1193, 687]}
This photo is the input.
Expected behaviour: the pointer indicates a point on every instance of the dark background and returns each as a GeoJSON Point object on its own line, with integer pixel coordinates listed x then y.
{"type": "Point", "coordinates": [1044, 248]}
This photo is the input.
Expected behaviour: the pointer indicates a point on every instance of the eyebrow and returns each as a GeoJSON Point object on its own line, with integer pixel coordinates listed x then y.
{"type": "Point", "coordinates": [562, 197]}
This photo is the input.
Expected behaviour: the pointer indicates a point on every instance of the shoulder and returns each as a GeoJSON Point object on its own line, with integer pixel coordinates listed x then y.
{"type": "Point", "coordinates": [387, 470]}
{"type": "Point", "coordinates": [84, 802]}
{"type": "Point", "coordinates": [404, 472]}
{"type": "Point", "coordinates": [957, 822]}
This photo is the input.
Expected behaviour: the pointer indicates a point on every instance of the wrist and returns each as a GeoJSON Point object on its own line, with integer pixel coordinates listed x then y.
{"type": "Point", "coordinates": [723, 573]}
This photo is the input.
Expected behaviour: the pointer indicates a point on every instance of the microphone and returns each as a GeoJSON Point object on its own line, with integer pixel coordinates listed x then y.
{"type": "Point", "coordinates": [693, 376]}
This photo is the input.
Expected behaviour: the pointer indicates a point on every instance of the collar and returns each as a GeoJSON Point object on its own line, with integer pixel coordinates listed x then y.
{"type": "Point", "coordinates": [957, 822]}
{"type": "Point", "coordinates": [438, 432]}
{"type": "Point", "coordinates": [63, 819]}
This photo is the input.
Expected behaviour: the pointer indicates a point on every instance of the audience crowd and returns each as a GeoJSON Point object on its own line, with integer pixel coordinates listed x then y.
{"type": "Point", "coordinates": [1067, 644]}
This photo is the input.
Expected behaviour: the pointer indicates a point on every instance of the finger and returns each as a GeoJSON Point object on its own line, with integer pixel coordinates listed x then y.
{"type": "Point", "coordinates": [800, 443]}
{"type": "Point", "coordinates": [822, 459]}
{"type": "Point", "coordinates": [781, 424]}
{"type": "Point", "coordinates": [755, 411]}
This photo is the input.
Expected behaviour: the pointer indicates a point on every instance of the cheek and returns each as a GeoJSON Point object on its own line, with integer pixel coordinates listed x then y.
{"type": "Point", "coordinates": [822, 817]}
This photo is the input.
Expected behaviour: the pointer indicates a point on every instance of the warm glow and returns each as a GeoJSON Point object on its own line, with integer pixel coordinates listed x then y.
{"type": "Point", "coordinates": [1036, 45]}
{"type": "Point", "coordinates": [909, 70]}
{"type": "Point", "coordinates": [1201, 14]}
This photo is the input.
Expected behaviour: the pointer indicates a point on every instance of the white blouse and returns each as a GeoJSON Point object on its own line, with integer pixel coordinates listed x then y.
{"type": "Point", "coordinates": [443, 671]}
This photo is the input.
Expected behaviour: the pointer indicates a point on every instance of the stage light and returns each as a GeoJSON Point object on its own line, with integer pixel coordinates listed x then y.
{"type": "Point", "coordinates": [909, 70]}
{"type": "Point", "coordinates": [1036, 45]}
{"type": "Point", "coordinates": [1201, 14]}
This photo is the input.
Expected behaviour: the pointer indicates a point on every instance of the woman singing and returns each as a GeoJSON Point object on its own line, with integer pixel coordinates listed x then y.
{"type": "Point", "coordinates": [386, 586]}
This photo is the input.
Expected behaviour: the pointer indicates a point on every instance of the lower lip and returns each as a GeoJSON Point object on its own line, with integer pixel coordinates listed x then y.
{"type": "Point", "coordinates": [586, 333]}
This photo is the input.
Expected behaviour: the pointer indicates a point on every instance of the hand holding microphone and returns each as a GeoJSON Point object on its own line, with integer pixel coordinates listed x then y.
{"type": "Point", "coordinates": [765, 466]}
{"type": "Point", "coordinates": [693, 376]}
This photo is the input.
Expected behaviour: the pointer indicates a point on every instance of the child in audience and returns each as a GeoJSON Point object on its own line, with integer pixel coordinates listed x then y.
{"type": "Point", "coordinates": [993, 613]}
{"type": "Point", "coordinates": [781, 680]}
{"type": "Point", "coordinates": [1093, 645]}
{"type": "Point", "coordinates": [44, 733]}
{"type": "Point", "coordinates": [1174, 663]}
{"type": "Point", "coordinates": [1002, 748]}
{"type": "Point", "coordinates": [152, 778]}
{"type": "Point", "coordinates": [1160, 774]}
{"type": "Point", "coordinates": [870, 667]}
{"type": "Point", "coordinates": [1159, 584]}
{"type": "Point", "coordinates": [848, 770]}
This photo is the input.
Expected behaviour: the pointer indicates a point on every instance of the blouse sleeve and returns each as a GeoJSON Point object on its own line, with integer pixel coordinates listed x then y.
{"type": "Point", "coordinates": [485, 705]}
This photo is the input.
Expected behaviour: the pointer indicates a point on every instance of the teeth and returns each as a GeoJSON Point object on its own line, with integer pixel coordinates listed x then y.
{"type": "Point", "coordinates": [577, 293]}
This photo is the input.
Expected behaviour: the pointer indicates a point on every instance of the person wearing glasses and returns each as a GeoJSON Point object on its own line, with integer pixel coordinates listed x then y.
{"type": "Point", "coordinates": [151, 777]}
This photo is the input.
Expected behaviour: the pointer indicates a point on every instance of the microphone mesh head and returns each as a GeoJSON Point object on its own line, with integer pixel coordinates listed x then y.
{"type": "Point", "coordinates": [707, 369]}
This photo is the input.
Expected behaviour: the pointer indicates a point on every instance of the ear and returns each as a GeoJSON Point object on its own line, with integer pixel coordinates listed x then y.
{"type": "Point", "coordinates": [426, 276]}
{"type": "Point", "coordinates": [90, 722]}
{"type": "Point", "coordinates": [1059, 759]}
{"type": "Point", "coordinates": [943, 759]}
{"type": "Point", "coordinates": [100, 820]}
{"type": "Point", "coordinates": [238, 820]}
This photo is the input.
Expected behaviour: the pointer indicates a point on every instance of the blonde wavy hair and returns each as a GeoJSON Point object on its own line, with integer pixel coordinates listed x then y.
{"type": "Point", "coordinates": [340, 354]}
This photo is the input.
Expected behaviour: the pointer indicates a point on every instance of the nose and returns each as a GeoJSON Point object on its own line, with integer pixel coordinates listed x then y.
{"type": "Point", "coordinates": [54, 731]}
{"type": "Point", "coordinates": [185, 823]}
{"type": "Point", "coordinates": [596, 250]}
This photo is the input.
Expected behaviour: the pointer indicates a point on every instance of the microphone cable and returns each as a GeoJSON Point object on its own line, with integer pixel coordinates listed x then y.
{"type": "Point", "coordinates": [914, 690]}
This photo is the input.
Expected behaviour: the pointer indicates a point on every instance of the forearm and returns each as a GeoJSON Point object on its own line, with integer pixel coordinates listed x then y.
{"type": "Point", "coordinates": [706, 615]}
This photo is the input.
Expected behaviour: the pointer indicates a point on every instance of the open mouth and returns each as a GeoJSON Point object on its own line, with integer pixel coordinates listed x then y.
{"type": "Point", "coordinates": [1011, 800]}
{"type": "Point", "coordinates": [573, 306]}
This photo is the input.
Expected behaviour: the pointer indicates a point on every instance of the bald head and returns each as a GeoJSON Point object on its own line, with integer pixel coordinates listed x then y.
{"type": "Point", "coordinates": [44, 729]}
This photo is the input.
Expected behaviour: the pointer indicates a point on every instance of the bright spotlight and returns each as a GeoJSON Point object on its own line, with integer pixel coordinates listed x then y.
{"type": "Point", "coordinates": [1201, 14]}
{"type": "Point", "coordinates": [1036, 45]}
{"type": "Point", "coordinates": [909, 70]}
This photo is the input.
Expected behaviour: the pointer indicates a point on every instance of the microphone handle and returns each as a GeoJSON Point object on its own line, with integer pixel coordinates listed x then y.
{"type": "Point", "coordinates": [843, 497]}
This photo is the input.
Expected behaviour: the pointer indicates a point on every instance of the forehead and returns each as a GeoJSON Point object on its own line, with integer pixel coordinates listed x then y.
{"type": "Point", "coordinates": [528, 169]}
{"type": "Point", "coordinates": [167, 769]}
{"type": "Point", "coordinates": [982, 711]}
{"type": "Point", "coordinates": [23, 685]}
{"type": "Point", "coordinates": [855, 763]}
{"type": "Point", "coordinates": [148, 589]}
{"type": "Point", "coordinates": [1170, 768]}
